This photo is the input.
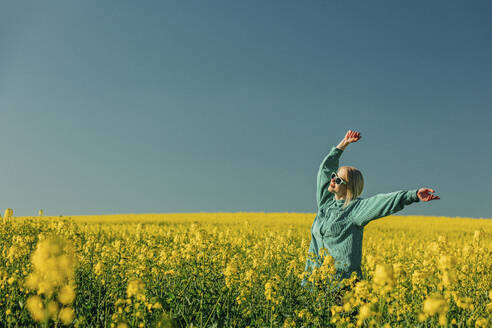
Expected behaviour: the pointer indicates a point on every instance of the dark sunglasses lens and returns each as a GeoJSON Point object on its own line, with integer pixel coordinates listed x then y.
{"type": "Point", "coordinates": [333, 175]}
{"type": "Point", "coordinates": [338, 181]}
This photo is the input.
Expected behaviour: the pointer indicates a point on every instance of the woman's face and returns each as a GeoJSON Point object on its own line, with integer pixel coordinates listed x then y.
{"type": "Point", "coordinates": [339, 189]}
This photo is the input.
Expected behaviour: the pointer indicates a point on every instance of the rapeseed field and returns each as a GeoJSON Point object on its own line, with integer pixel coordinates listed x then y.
{"type": "Point", "coordinates": [238, 270]}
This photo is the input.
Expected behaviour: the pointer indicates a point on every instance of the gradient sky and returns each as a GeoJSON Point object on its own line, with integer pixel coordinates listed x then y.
{"type": "Point", "coordinates": [224, 106]}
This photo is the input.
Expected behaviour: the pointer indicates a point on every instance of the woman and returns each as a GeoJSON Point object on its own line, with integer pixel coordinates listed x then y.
{"type": "Point", "coordinates": [342, 216]}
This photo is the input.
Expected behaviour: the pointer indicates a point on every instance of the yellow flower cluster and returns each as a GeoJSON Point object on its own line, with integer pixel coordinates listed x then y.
{"type": "Point", "coordinates": [8, 214]}
{"type": "Point", "coordinates": [132, 310]}
{"type": "Point", "coordinates": [271, 290]}
{"type": "Point", "coordinates": [53, 266]}
{"type": "Point", "coordinates": [435, 304]}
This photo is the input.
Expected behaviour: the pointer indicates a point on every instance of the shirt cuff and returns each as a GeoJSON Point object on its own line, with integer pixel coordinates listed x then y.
{"type": "Point", "coordinates": [412, 195]}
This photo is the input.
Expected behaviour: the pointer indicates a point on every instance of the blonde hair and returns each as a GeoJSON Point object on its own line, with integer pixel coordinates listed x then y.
{"type": "Point", "coordinates": [355, 184]}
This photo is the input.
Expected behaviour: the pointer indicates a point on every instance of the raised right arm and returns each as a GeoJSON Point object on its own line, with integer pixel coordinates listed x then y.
{"type": "Point", "coordinates": [327, 167]}
{"type": "Point", "coordinates": [330, 165]}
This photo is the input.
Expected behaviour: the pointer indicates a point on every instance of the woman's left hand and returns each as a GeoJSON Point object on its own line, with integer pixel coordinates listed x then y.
{"type": "Point", "coordinates": [425, 194]}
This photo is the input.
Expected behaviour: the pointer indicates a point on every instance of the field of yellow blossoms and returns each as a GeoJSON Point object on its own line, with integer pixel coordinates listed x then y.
{"type": "Point", "coordinates": [238, 270]}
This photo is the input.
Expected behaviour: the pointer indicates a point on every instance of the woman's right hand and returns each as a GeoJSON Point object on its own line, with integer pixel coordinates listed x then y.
{"type": "Point", "coordinates": [424, 194]}
{"type": "Point", "coordinates": [352, 136]}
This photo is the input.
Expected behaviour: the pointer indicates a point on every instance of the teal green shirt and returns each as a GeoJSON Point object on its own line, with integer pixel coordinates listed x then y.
{"type": "Point", "coordinates": [339, 229]}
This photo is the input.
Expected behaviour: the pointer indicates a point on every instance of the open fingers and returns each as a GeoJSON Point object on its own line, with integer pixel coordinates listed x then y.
{"type": "Point", "coordinates": [431, 197]}
{"type": "Point", "coordinates": [425, 194]}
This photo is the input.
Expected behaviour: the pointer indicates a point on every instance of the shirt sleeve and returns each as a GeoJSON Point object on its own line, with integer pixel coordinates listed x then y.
{"type": "Point", "coordinates": [381, 205]}
{"type": "Point", "coordinates": [327, 167]}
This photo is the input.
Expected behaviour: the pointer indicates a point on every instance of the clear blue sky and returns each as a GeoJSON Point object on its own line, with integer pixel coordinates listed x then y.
{"type": "Point", "coordinates": [218, 106]}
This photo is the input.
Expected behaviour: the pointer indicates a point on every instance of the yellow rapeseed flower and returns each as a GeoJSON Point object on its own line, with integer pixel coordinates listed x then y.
{"type": "Point", "coordinates": [481, 322]}
{"type": "Point", "coordinates": [443, 321]}
{"type": "Point", "coordinates": [447, 262]}
{"type": "Point", "coordinates": [52, 309]}
{"type": "Point", "coordinates": [435, 304]}
{"type": "Point", "coordinates": [36, 309]}
{"type": "Point", "coordinates": [365, 312]}
{"type": "Point", "coordinates": [8, 213]}
{"type": "Point", "coordinates": [448, 278]}
{"type": "Point", "coordinates": [98, 268]}
{"type": "Point", "coordinates": [66, 295]}
{"type": "Point", "coordinates": [53, 266]}
{"type": "Point", "coordinates": [477, 235]}
{"type": "Point", "coordinates": [135, 288]}
{"type": "Point", "coordinates": [383, 275]}
{"type": "Point", "coordinates": [268, 291]}
{"type": "Point", "coordinates": [66, 315]}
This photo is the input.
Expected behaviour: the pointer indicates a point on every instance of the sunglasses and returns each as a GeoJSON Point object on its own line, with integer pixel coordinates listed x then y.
{"type": "Point", "coordinates": [338, 180]}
